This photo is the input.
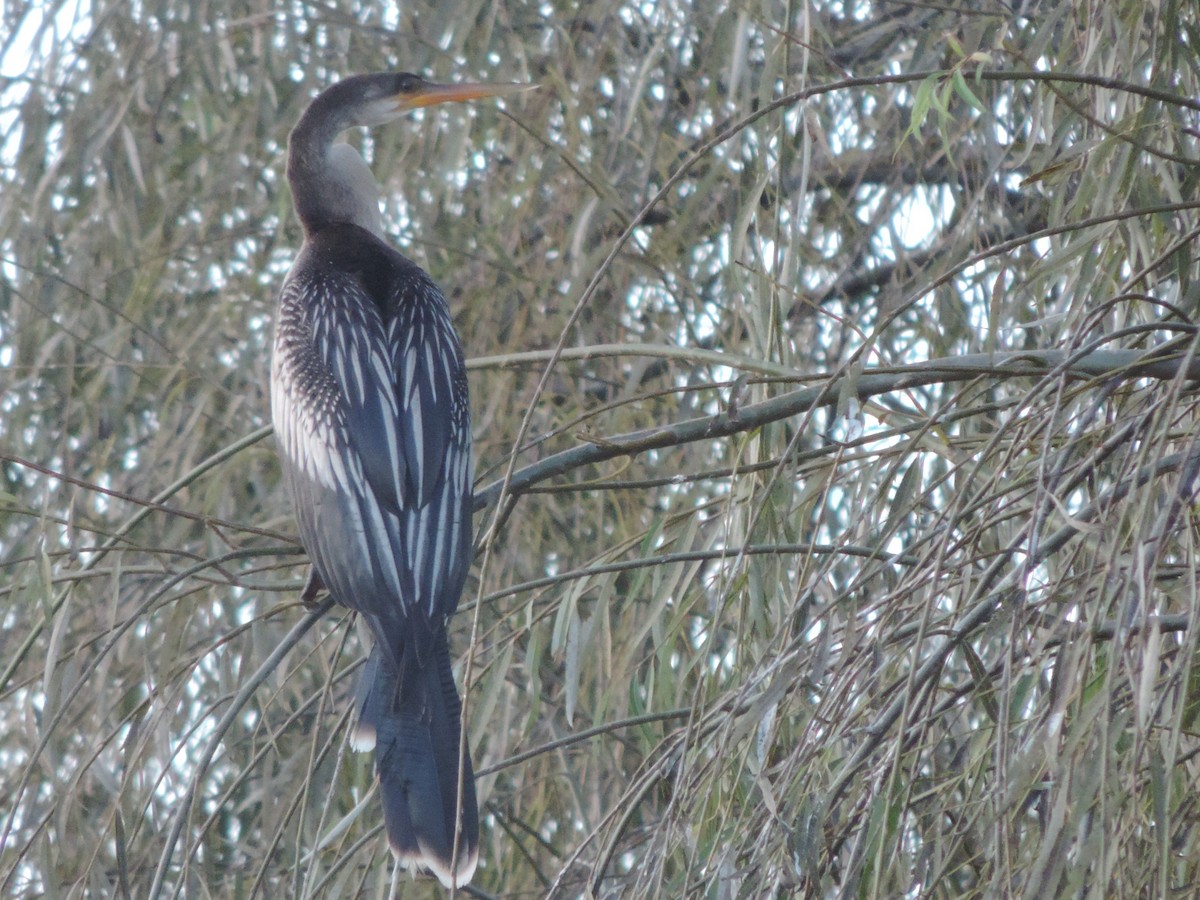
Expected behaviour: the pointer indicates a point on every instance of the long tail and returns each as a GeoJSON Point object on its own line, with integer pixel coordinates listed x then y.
{"type": "Point", "coordinates": [414, 722]}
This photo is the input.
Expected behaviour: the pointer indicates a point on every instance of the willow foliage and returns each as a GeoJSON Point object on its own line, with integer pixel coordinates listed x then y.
{"type": "Point", "coordinates": [834, 390]}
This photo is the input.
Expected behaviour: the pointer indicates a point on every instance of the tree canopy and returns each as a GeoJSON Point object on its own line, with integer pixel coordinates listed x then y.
{"type": "Point", "coordinates": [834, 390]}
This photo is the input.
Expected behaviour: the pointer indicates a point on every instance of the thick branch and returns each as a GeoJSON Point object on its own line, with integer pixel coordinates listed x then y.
{"type": "Point", "coordinates": [1098, 364]}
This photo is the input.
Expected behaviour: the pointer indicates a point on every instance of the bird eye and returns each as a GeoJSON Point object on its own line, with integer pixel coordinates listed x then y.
{"type": "Point", "coordinates": [408, 83]}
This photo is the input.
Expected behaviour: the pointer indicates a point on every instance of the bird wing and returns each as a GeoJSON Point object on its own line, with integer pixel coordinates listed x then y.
{"type": "Point", "coordinates": [400, 369]}
{"type": "Point", "coordinates": [431, 384]}
{"type": "Point", "coordinates": [432, 400]}
{"type": "Point", "coordinates": [350, 339]}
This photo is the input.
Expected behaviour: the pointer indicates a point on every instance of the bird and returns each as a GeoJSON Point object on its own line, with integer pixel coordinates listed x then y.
{"type": "Point", "coordinates": [372, 418]}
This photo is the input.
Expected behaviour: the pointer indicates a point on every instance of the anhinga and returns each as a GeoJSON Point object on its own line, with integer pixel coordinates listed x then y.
{"type": "Point", "coordinates": [369, 400]}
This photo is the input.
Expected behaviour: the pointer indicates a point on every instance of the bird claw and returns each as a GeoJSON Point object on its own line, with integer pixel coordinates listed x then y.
{"type": "Point", "coordinates": [312, 588]}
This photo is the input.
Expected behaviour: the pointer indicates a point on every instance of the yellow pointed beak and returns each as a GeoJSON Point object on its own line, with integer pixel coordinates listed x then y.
{"type": "Point", "coordinates": [430, 94]}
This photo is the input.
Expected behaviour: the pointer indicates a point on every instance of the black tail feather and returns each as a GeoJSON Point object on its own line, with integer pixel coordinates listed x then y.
{"type": "Point", "coordinates": [414, 723]}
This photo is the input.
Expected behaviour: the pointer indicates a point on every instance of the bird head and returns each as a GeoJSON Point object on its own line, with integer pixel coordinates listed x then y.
{"type": "Point", "coordinates": [330, 181]}
{"type": "Point", "coordinates": [387, 96]}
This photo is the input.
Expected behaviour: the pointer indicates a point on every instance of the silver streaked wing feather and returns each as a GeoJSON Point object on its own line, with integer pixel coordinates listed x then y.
{"type": "Point", "coordinates": [381, 431]}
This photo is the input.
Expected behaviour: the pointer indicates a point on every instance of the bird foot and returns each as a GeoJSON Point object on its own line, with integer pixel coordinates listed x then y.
{"type": "Point", "coordinates": [312, 588]}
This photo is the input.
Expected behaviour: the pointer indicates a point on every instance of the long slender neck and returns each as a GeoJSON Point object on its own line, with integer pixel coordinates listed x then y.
{"type": "Point", "coordinates": [330, 182]}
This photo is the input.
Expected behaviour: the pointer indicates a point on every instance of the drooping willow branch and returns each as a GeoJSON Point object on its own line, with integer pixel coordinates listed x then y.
{"type": "Point", "coordinates": [998, 586]}
{"type": "Point", "coordinates": [236, 708]}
